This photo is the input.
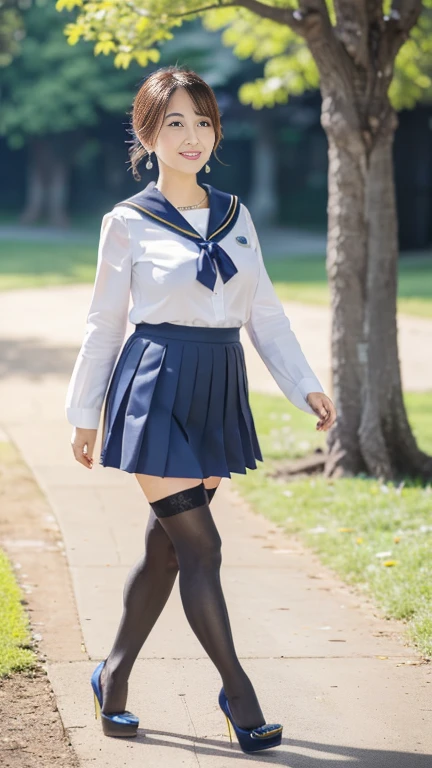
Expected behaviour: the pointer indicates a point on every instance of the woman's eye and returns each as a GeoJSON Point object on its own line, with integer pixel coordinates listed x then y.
{"type": "Point", "coordinates": [177, 122]}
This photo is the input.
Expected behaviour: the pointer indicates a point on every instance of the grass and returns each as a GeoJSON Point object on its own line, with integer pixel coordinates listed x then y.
{"type": "Point", "coordinates": [37, 264]}
{"type": "Point", "coordinates": [376, 536]}
{"type": "Point", "coordinates": [305, 280]}
{"type": "Point", "coordinates": [15, 634]}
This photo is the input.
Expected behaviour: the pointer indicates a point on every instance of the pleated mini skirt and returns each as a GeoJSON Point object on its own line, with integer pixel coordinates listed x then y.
{"type": "Point", "coordinates": [178, 404]}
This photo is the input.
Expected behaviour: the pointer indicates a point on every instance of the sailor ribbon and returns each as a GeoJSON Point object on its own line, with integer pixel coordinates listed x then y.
{"type": "Point", "coordinates": [211, 253]}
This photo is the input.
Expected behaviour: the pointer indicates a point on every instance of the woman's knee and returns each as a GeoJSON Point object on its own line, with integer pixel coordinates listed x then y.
{"type": "Point", "coordinates": [210, 556]}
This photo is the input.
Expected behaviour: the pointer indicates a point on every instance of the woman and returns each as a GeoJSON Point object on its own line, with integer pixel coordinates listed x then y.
{"type": "Point", "coordinates": [177, 413]}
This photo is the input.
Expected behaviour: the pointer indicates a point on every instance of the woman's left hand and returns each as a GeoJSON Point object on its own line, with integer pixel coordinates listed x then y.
{"type": "Point", "coordinates": [323, 407]}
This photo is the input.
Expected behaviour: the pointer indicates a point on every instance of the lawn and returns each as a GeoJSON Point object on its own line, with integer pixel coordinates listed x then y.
{"type": "Point", "coordinates": [377, 536]}
{"type": "Point", "coordinates": [15, 631]}
{"type": "Point", "coordinates": [26, 265]}
{"type": "Point", "coordinates": [38, 264]}
{"type": "Point", "coordinates": [305, 280]}
{"type": "Point", "coordinates": [15, 653]}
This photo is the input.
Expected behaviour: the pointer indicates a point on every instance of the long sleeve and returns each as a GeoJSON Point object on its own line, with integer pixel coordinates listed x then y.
{"type": "Point", "coordinates": [105, 326]}
{"type": "Point", "coordinates": [269, 330]}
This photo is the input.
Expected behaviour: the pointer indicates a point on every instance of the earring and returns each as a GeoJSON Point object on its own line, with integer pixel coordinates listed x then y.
{"type": "Point", "coordinates": [149, 163]}
{"type": "Point", "coordinates": [207, 168]}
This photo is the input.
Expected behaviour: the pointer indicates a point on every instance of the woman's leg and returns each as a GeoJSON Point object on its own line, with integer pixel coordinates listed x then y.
{"type": "Point", "coordinates": [186, 518]}
{"type": "Point", "coordinates": [146, 591]}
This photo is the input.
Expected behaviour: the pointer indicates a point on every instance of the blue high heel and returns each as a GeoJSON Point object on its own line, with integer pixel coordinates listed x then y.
{"type": "Point", "coordinates": [263, 737]}
{"type": "Point", "coordinates": [117, 723]}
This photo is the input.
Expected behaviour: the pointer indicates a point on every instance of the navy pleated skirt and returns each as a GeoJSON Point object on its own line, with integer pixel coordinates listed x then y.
{"type": "Point", "coordinates": [178, 404]}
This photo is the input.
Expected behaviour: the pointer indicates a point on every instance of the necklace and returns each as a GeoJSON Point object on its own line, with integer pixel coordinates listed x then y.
{"type": "Point", "coordinates": [189, 207]}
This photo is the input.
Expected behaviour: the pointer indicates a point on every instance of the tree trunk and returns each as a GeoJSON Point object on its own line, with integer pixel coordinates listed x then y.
{"type": "Point", "coordinates": [263, 198]}
{"type": "Point", "coordinates": [34, 205]}
{"type": "Point", "coordinates": [385, 436]}
{"type": "Point", "coordinates": [47, 185]}
{"type": "Point", "coordinates": [57, 193]}
{"type": "Point", "coordinates": [346, 266]}
{"type": "Point", "coordinates": [355, 59]}
{"type": "Point", "coordinates": [372, 433]}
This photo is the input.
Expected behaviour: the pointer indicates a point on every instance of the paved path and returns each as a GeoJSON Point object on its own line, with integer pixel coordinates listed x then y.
{"type": "Point", "coordinates": [322, 661]}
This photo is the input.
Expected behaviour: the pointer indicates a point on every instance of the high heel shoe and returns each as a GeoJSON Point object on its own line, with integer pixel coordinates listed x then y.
{"type": "Point", "coordinates": [255, 739]}
{"type": "Point", "coordinates": [116, 723]}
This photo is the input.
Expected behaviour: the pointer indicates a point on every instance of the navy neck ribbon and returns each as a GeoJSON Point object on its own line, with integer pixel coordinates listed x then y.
{"type": "Point", "coordinates": [224, 212]}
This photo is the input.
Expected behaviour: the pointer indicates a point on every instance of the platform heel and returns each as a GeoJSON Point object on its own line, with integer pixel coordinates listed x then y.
{"type": "Point", "coordinates": [117, 724]}
{"type": "Point", "coordinates": [255, 739]}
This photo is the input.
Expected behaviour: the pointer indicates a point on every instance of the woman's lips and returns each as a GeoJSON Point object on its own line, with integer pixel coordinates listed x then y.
{"type": "Point", "coordinates": [193, 157]}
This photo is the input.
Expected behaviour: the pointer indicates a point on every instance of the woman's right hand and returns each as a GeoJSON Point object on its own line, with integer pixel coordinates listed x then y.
{"type": "Point", "coordinates": [83, 443]}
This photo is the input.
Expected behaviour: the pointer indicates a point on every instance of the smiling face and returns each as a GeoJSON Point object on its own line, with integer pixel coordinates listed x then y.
{"type": "Point", "coordinates": [184, 131]}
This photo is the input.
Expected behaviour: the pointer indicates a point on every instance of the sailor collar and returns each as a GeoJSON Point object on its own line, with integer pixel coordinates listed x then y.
{"type": "Point", "coordinates": [224, 212]}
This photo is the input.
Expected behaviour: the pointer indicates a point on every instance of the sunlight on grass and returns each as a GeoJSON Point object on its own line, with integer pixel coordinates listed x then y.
{"type": "Point", "coordinates": [377, 536]}
{"type": "Point", "coordinates": [38, 264]}
{"type": "Point", "coordinates": [14, 628]}
{"type": "Point", "coordinates": [305, 280]}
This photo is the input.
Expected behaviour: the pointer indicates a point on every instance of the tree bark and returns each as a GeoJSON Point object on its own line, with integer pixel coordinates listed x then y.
{"type": "Point", "coordinates": [385, 436]}
{"type": "Point", "coordinates": [355, 60]}
{"type": "Point", "coordinates": [47, 185]}
{"type": "Point", "coordinates": [263, 198]}
{"type": "Point", "coordinates": [346, 267]}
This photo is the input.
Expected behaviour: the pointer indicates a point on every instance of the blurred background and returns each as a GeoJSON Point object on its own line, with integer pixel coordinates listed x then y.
{"type": "Point", "coordinates": [64, 133]}
{"type": "Point", "coordinates": [64, 119]}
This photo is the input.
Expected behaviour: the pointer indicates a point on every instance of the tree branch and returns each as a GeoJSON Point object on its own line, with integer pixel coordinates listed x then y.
{"type": "Point", "coordinates": [352, 28]}
{"type": "Point", "coordinates": [374, 13]}
{"type": "Point", "coordinates": [330, 56]}
{"type": "Point", "coordinates": [403, 16]}
{"type": "Point", "coordinates": [286, 16]}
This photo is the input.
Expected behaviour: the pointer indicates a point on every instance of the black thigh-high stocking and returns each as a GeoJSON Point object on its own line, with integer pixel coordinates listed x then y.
{"type": "Point", "coordinates": [187, 519]}
{"type": "Point", "coordinates": [146, 591]}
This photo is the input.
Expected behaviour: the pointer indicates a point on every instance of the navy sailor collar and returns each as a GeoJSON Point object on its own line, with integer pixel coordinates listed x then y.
{"type": "Point", "coordinates": [224, 212]}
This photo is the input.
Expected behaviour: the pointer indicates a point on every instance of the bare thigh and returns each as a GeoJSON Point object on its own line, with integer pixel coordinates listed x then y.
{"type": "Point", "coordinates": [156, 488]}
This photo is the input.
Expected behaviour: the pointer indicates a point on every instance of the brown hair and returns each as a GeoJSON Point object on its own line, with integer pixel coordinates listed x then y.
{"type": "Point", "coordinates": [150, 105]}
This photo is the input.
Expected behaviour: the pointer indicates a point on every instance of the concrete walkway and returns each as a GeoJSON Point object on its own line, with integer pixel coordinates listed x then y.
{"type": "Point", "coordinates": [322, 660]}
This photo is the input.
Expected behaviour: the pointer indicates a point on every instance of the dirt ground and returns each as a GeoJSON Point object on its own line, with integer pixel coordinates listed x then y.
{"type": "Point", "coordinates": [32, 733]}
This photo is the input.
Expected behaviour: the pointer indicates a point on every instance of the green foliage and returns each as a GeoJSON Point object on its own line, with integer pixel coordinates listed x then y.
{"type": "Point", "coordinates": [11, 31]}
{"type": "Point", "coordinates": [134, 31]}
{"type": "Point", "coordinates": [54, 88]}
{"type": "Point", "coordinates": [412, 82]}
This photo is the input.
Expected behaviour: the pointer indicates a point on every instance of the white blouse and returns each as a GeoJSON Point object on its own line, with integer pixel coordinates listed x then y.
{"type": "Point", "coordinates": [158, 267]}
